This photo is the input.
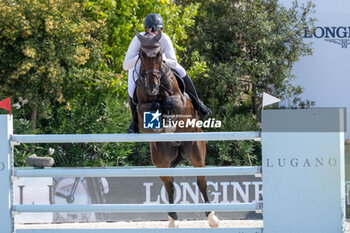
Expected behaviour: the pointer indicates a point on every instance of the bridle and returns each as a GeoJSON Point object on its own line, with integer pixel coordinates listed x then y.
{"type": "Point", "coordinates": [142, 76]}
{"type": "Point", "coordinates": [159, 74]}
{"type": "Point", "coordinates": [156, 73]}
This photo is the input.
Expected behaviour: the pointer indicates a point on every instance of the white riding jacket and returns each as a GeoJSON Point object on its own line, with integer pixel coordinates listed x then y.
{"type": "Point", "coordinates": [132, 54]}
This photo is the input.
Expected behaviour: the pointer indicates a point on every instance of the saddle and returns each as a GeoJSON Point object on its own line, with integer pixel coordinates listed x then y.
{"type": "Point", "coordinates": [180, 81]}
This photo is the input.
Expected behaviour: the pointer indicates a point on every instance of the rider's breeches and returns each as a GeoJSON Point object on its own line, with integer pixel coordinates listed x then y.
{"type": "Point", "coordinates": [133, 75]}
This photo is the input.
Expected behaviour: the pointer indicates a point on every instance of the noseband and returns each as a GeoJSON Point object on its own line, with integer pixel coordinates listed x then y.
{"type": "Point", "coordinates": [154, 72]}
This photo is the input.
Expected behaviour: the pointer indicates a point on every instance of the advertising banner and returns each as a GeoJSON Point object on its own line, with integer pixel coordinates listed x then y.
{"type": "Point", "coordinates": [115, 190]}
{"type": "Point", "coordinates": [325, 75]}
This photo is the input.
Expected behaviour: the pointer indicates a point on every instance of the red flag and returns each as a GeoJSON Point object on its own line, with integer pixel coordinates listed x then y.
{"type": "Point", "coordinates": [6, 104]}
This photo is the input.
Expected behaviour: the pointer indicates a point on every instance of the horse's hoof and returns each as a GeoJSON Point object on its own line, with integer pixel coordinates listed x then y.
{"type": "Point", "coordinates": [172, 223]}
{"type": "Point", "coordinates": [213, 220]}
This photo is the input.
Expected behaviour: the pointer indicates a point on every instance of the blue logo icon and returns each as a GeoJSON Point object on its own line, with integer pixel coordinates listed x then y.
{"type": "Point", "coordinates": [151, 120]}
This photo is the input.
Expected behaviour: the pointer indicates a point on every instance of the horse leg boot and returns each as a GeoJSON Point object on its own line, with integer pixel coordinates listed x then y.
{"type": "Point", "coordinates": [134, 126]}
{"type": "Point", "coordinates": [202, 110]}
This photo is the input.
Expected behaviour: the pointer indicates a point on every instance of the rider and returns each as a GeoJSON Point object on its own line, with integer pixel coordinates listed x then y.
{"type": "Point", "coordinates": [153, 24]}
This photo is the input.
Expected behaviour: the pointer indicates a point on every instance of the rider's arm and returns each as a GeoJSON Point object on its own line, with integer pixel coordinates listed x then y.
{"type": "Point", "coordinates": [168, 50]}
{"type": "Point", "coordinates": [132, 54]}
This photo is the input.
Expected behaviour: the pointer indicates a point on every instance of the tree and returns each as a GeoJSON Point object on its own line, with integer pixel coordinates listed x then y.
{"type": "Point", "coordinates": [61, 62]}
{"type": "Point", "coordinates": [122, 16]}
{"type": "Point", "coordinates": [249, 47]}
{"type": "Point", "coordinates": [255, 41]}
{"type": "Point", "coordinates": [48, 49]}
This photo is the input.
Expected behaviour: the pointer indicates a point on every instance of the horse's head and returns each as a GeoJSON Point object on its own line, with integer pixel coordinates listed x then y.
{"type": "Point", "coordinates": [151, 61]}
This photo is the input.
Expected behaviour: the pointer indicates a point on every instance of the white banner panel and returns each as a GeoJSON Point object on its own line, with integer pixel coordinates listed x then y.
{"type": "Point", "coordinates": [325, 75]}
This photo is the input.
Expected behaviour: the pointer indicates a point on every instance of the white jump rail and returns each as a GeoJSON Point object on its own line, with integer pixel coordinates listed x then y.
{"type": "Point", "coordinates": [136, 172]}
{"type": "Point", "coordinates": [157, 137]}
{"type": "Point", "coordinates": [139, 208]}
{"type": "Point", "coordinates": [145, 230]}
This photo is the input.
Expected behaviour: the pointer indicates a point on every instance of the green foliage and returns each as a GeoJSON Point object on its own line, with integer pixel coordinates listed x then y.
{"type": "Point", "coordinates": [48, 48]}
{"type": "Point", "coordinates": [61, 62]}
{"type": "Point", "coordinates": [122, 16]}
{"type": "Point", "coordinates": [248, 47]}
{"type": "Point", "coordinates": [258, 40]}
{"type": "Point", "coordinates": [90, 114]}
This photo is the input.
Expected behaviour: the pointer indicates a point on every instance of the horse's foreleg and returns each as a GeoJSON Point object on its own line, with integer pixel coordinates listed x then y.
{"type": "Point", "coordinates": [162, 155]}
{"type": "Point", "coordinates": [169, 187]}
{"type": "Point", "coordinates": [198, 160]}
{"type": "Point", "coordinates": [202, 184]}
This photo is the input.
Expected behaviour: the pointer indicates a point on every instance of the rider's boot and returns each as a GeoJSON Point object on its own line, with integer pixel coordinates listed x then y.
{"type": "Point", "coordinates": [202, 110]}
{"type": "Point", "coordinates": [134, 126]}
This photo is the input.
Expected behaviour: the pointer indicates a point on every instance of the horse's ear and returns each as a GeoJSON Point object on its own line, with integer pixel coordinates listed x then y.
{"type": "Point", "coordinates": [157, 37]}
{"type": "Point", "coordinates": [141, 38]}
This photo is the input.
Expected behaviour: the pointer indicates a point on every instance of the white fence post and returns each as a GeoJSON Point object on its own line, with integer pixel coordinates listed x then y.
{"type": "Point", "coordinates": [6, 168]}
{"type": "Point", "coordinates": [303, 170]}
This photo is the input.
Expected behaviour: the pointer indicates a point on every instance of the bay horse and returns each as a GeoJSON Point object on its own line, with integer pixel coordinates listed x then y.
{"type": "Point", "coordinates": [157, 89]}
